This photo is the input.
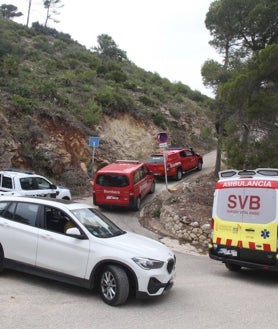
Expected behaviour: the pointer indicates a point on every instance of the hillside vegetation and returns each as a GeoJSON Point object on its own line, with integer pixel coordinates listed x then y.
{"type": "Point", "coordinates": [55, 94]}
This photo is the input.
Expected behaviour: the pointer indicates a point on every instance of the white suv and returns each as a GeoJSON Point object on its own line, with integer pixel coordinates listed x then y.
{"type": "Point", "coordinates": [18, 182]}
{"type": "Point", "coordinates": [74, 243]}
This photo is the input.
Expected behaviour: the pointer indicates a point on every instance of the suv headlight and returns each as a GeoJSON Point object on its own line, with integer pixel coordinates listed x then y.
{"type": "Point", "coordinates": [147, 263]}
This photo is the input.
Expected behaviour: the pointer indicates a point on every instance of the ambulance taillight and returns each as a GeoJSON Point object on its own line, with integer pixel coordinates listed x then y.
{"type": "Point", "coordinates": [211, 229]}
{"type": "Point", "coordinates": [277, 242]}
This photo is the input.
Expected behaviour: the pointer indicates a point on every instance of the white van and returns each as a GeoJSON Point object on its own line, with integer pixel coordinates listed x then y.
{"type": "Point", "coordinates": [244, 224]}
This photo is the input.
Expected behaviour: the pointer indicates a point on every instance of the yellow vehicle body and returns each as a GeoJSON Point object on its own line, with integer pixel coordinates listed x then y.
{"type": "Point", "coordinates": [244, 224]}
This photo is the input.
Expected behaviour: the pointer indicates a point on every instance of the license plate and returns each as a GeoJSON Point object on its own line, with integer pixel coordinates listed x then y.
{"type": "Point", "coordinates": [227, 252]}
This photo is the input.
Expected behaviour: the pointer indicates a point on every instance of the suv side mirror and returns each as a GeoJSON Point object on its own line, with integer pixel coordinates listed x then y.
{"type": "Point", "coordinates": [75, 233]}
{"type": "Point", "coordinates": [53, 186]}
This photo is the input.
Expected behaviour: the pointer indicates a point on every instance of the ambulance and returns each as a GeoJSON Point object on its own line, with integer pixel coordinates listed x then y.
{"type": "Point", "coordinates": [244, 224]}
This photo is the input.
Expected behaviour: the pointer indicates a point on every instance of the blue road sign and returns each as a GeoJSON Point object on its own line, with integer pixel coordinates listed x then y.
{"type": "Point", "coordinates": [94, 141]}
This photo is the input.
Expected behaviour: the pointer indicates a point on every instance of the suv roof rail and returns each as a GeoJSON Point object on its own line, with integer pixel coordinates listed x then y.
{"type": "Point", "coordinates": [248, 173]}
{"type": "Point", "coordinates": [23, 171]}
{"type": "Point", "coordinates": [128, 161]}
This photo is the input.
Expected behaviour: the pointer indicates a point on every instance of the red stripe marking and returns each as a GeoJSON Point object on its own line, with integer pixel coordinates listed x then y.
{"type": "Point", "coordinates": [267, 247]}
{"type": "Point", "coordinates": [229, 242]}
{"type": "Point", "coordinates": [239, 244]}
{"type": "Point", "coordinates": [252, 245]}
{"type": "Point", "coordinates": [218, 240]}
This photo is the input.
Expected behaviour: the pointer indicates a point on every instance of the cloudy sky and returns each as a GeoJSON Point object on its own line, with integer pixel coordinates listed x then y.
{"type": "Point", "coordinates": [166, 37]}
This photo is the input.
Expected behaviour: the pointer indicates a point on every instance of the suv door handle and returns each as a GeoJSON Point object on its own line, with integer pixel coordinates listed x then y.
{"type": "Point", "coordinates": [249, 230]}
{"type": "Point", "coordinates": [5, 224]}
{"type": "Point", "coordinates": [47, 236]}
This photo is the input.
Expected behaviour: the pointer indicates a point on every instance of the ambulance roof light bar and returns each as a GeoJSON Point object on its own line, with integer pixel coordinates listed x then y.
{"type": "Point", "coordinates": [248, 173]}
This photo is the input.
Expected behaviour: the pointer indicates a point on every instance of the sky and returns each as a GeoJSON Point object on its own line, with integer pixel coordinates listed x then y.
{"type": "Point", "coordinates": [164, 37]}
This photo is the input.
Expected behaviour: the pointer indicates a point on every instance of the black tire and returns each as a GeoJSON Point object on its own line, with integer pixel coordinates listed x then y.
{"type": "Point", "coordinates": [114, 285]}
{"type": "Point", "coordinates": [152, 188]}
{"type": "Point", "coordinates": [1, 259]}
{"type": "Point", "coordinates": [179, 174]}
{"type": "Point", "coordinates": [200, 165]}
{"type": "Point", "coordinates": [233, 267]}
{"type": "Point", "coordinates": [137, 204]}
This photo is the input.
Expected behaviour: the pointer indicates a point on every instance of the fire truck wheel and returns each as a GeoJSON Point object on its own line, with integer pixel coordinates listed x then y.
{"type": "Point", "coordinates": [137, 203]}
{"type": "Point", "coordinates": [179, 174]}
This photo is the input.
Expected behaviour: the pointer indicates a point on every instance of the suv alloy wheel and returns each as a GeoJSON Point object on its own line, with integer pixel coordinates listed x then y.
{"type": "Point", "coordinates": [114, 285]}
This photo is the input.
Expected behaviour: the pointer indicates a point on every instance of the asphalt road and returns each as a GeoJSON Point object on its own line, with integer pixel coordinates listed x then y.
{"type": "Point", "coordinates": [205, 296]}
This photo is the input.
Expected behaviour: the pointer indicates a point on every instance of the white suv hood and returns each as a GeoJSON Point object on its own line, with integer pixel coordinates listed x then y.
{"type": "Point", "coordinates": [138, 245]}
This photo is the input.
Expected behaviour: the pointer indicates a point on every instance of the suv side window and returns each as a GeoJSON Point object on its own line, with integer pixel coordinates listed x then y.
{"type": "Point", "coordinates": [34, 183]}
{"type": "Point", "coordinates": [25, 213]}
{"type": "Point", "coordinates": [7, 182]}
{"type": "Point", "coordinates": [57, 221]}
{"type": "Point", "coordinates": [3, 206]}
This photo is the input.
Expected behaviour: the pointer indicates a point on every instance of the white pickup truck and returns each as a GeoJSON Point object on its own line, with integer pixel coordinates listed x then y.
{"type": "Point", "coordinates": [24, 183]}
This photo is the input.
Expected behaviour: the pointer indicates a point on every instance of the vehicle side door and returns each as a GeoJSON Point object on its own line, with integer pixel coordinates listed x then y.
{"type": "Point", "coordinates": [184, 160]}
{"type": "Point", "coordinates": [19, 231]}
{"type": "Point", "coordinates": [37, 186]}
{"type": "Point", "coordinates": [58, 251]}
{"type": "Point", "coordinates": [141, 181]}
{"type": "Point", "coordinates": [190, 160]}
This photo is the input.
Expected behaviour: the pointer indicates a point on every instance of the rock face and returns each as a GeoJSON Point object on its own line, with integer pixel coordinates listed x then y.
{"type": "Point", "coordinates": [59, 148]}
{"type": "Point", "coordinates": [183, 214]}
{"type": "Point", "coordinates": [60, 151]}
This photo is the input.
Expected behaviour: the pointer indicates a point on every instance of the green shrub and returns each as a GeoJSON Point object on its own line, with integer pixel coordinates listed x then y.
{"type": "Point", "coordinates": [116, 75]}
{"type": "Point", "coordinates": [146, 100]}
{"type": "Point", "coordinates": [92, 114]}
{"type": "Point", "coordinates": [159, 119]}
{"type": "Point", "coordinates": [21, 103]}
{"type": "Point", "coordinates": [156, 212]}
{"type": "Point", "coordinates": [10, 65]}
{"type": "Point", "coordinates": [113, 100]}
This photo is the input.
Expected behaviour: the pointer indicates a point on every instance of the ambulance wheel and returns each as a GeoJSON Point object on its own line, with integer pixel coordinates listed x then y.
{"type": "Point", "coordinates": [233, 267]}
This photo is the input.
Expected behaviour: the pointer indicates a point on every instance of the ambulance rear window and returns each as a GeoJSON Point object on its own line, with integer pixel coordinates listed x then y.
{"type": "Point", "coordinates": [249, 205]}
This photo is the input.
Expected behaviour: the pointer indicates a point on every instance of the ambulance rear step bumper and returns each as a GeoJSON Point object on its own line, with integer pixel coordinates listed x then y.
{"type": "Point", "coordinates": [255, 259]}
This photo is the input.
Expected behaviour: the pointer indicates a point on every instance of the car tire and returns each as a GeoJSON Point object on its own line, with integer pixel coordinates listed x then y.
{"type": "Point", "coordinates": [152, 188]}
{"type": "Point", "coordinates": [179, 174]}
{"type": "Point", "coordinates": [114, 285]}
{"type": "Point", "coordinates": [1, 259]}
{"type": "Point", "coordinates": [233, 267]}
{"type": "Point", "coordinates": [137, 204]}
{"type": "Point", "coordinates": [199, 165]}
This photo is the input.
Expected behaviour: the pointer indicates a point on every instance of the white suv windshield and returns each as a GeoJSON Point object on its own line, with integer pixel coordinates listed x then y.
{"type": "Point", "coordinates": [246, 205]}
{"type": "Point", "coordinates": [96, 223]}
